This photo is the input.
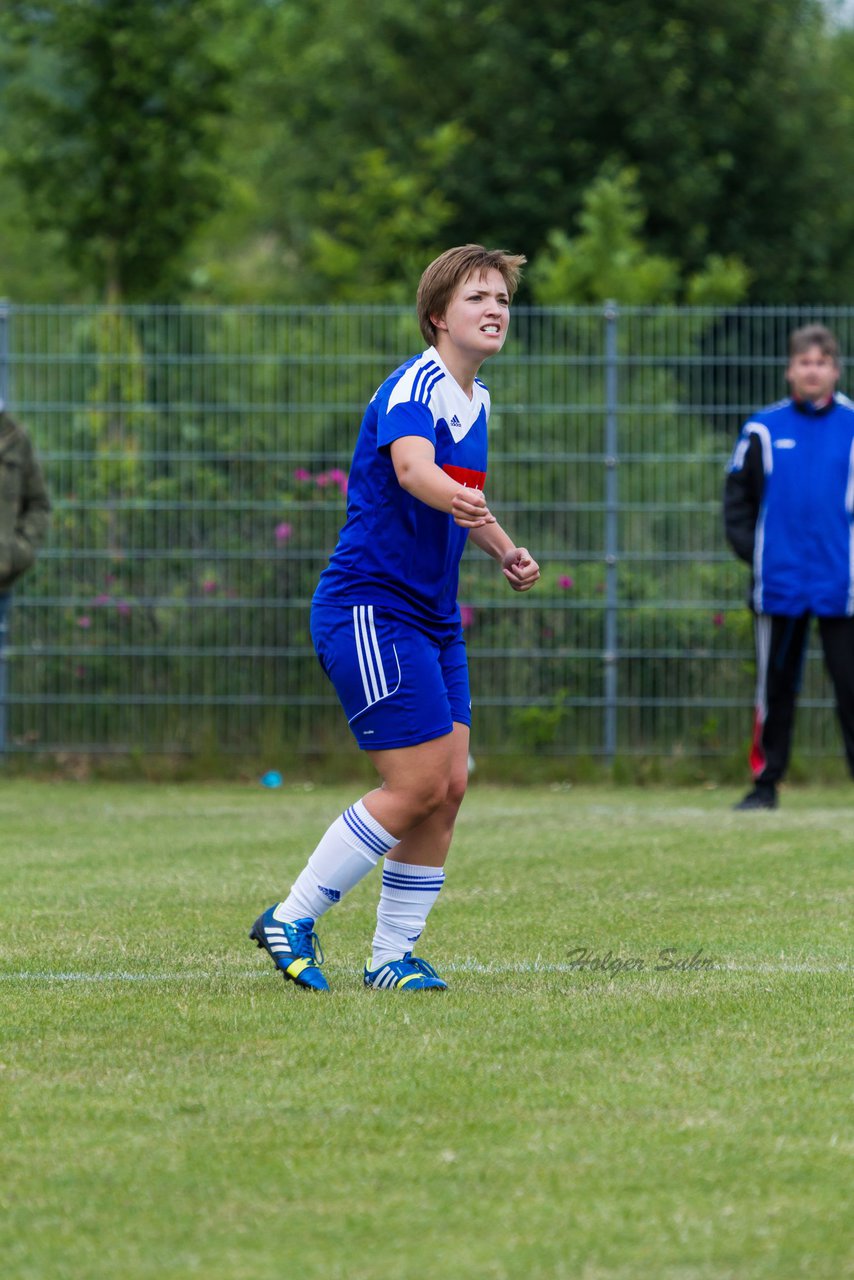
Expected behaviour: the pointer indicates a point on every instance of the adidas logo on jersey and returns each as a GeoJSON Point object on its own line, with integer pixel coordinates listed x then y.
{"type": "Point", "coordinates": [455, 422]}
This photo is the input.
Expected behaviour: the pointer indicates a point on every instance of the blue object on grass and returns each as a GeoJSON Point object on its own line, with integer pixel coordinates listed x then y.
{"type": "Point", "coordinates": [272, 778]}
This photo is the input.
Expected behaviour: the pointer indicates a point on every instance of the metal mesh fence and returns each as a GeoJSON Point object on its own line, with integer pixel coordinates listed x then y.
{"type": "Point", "coordinates": [197, 462]}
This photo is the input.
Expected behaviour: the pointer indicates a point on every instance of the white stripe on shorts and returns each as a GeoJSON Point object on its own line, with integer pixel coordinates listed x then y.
{"type": "Point", "coordinates": [376, 646]}
{"type": "Point", "coordinates": [368, 651]}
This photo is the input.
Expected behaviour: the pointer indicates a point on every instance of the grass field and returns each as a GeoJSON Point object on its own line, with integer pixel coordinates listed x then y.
{"type": "Point", "coordinates": [169, 1108]}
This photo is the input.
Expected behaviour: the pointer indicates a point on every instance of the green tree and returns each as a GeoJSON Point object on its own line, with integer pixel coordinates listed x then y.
{"type": "Point", "coordinates": [116, 107]}
{"type": "Point", "coordinates": [610, 259]}
{"type": "Point", "coordinates": [382, 224]}
{"type": "Point", "coordinates": [737, 120]}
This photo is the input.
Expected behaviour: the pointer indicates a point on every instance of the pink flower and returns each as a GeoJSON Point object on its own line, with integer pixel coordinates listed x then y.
{"type": "Point", "coordinates": [466, 615]}
{"type": "Point", "coordinates": [102, 600]}
{"type": "Point", "coordinates": [302, 475]}
{"type": "Point", "coordinates": [718, 620]}
{"type": "Point", "coordinates": [209, 586]}
{"type": "Point", "coordinates": [565, 582]}
{"type": "Point", "coordinates": [283, 531]}
{"type": "Point", "coordinates": [84, 621]}
{"type": "Point", "coordinates": [323, 480]}
{"type": "Point", "coordinates": [339, 477]}
{"type": "Point", "coordinates": [123, 608]}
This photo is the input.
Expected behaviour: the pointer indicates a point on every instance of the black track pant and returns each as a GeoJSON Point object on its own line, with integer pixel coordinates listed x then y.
{"type": "Point", "coordinates": [781, 645]}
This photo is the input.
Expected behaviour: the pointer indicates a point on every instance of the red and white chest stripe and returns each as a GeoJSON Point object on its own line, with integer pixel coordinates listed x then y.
{"type": "Point", "coordinates": [464, 475]}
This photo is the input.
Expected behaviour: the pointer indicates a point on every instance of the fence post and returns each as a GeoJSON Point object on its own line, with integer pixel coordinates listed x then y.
{"type": "Point", "coordinates": [4, 607]}
{"type": "Point", "coordinates": [609, 655]}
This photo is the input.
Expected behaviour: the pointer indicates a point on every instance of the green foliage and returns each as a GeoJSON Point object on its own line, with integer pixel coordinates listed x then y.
{"type": "Point", "coordinates": [537, 727]}
{"type": "Point", "coordinates": [116, 108]}
{"type": "Point", "coordinates": [738, 123]}
{"type": "Point", "coordinates": [381, 224]}
{"type": "Point", "coordinates": [110, 427]}
{"type": "Point", "coordinates": [722, 282]}
{"type": "Point", "coordinates": [609, 258]}
{"type": "Point", "coordinates": [33, 266]}
{"type": "Point", "coordinates": [326, 149]}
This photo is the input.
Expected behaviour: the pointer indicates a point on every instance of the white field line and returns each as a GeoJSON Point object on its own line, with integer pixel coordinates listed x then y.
{"type": "Point", "coordinates": [466, 966]}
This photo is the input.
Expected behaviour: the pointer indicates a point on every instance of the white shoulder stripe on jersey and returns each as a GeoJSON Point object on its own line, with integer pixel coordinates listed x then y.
{"type": "Point", "coordinates": [738, 454]}
{"type": "Point", "coordinates": [759, 429]}
{"type": "Point", "coordinates": [417, 382]}
{"type": "Point", "coordinates": [426, 380]}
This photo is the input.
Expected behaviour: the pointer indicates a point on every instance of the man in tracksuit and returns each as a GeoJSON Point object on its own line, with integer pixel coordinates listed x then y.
{"type": "Point", "coordinates": [788, 503]}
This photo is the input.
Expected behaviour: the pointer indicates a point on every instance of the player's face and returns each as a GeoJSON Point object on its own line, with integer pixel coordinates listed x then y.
{"type": "Point", "coordinates": [812, 375]}
{"type": "Point", "coordinates": [477, 316]}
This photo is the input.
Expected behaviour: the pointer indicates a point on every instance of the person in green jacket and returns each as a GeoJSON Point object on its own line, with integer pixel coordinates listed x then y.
{"type": "Point", "coordinates": [24, 514]}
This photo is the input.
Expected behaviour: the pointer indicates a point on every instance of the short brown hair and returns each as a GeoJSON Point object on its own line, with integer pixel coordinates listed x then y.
{"type": "Point", "coordinates": [444, 274]}
{"type": "Point", "coordinates": [813, 335]}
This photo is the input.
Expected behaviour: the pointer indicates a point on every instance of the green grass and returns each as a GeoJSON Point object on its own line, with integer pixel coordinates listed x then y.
{"type": "Point", "coordinates": [169, 1108]}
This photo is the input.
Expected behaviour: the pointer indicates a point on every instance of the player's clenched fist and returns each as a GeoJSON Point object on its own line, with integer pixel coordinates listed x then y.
{"type": "Point", "coordinates": [520, 568]}
{"type": "Point", "coordinates": [469, 509]}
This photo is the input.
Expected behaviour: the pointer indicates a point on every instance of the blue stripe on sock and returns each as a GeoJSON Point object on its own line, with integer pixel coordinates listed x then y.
{"type": "Point", "coordinates": [368, 838]}
{"type": "Point", "coordinates": [384, 842]}
{"type": "Point", "coordinates": [393, 880]}
{"type": "Point", "coordinates": [389, 870]}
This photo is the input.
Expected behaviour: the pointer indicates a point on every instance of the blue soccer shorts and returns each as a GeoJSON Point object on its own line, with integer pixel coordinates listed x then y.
{"type": "Point", "coordinates": [398, 685]}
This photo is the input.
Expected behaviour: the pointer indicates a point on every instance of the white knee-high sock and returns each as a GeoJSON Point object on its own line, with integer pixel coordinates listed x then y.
{"type": "Point", "coordinates": [347, 852]}
{"type": "Point", "coordinates": [408, 892]}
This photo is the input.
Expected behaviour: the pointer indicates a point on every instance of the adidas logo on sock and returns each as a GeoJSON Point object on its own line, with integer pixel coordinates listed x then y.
{"type": "Point", "coordinates": [333, 895]}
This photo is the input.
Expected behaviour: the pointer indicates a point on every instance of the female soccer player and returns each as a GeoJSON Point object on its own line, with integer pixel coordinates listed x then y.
{"type": "Point", "coordinates": [386, 625]}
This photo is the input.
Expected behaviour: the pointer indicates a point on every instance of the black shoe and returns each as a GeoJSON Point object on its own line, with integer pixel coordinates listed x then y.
{"type": "Point", "coordinates": [761, 797]}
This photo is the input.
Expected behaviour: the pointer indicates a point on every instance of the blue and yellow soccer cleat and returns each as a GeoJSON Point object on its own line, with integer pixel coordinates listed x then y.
{"type": "Point", "coordinates": [408, 974]}
{"type": "Point", "coordinates": [294, 948]}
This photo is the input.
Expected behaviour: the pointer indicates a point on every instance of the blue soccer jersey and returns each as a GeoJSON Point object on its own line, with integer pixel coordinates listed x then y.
{"type": "Point", "coordinates": [803, 559]}
{"type": "Point", "coordinates": [394, 550]}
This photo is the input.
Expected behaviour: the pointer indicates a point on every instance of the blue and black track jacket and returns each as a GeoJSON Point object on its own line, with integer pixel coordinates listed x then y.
{"type": "Point", "coordinates": [789, 507]}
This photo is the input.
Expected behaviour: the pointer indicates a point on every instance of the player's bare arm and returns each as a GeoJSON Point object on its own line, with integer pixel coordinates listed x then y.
{"type": "Point", "coordinates": [414, 461]}
{"type": "Point", "coordinates": [518, 565]}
